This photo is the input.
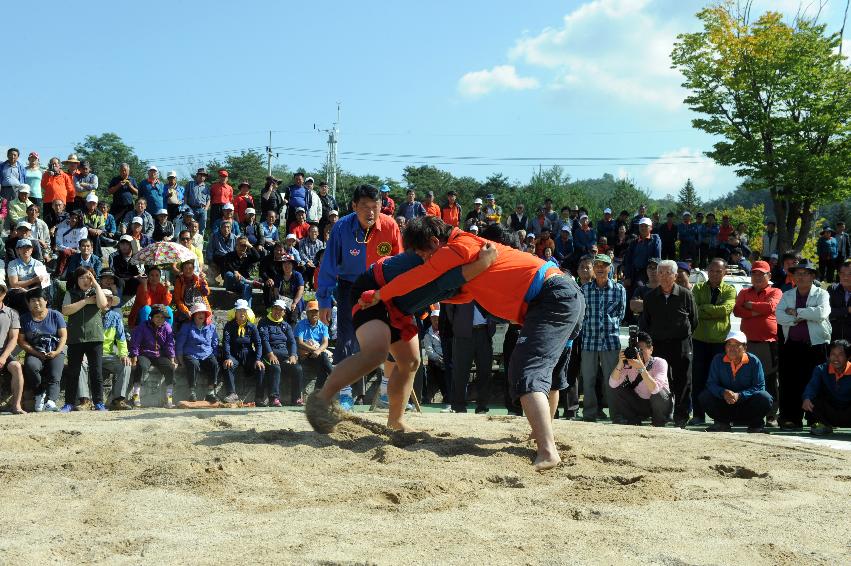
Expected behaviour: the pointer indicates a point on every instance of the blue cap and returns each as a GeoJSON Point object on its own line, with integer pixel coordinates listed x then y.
{"type": "Point", "coordinates": [684, 266]}
{"type": "Point", "coordinates": [385, 189]}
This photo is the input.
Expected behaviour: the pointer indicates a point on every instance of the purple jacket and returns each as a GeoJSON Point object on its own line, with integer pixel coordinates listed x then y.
{"type": "Point", "coordinates": [150, 342]}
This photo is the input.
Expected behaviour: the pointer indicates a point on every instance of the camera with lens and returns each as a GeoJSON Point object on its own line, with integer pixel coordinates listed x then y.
{"type": "Point", "coordinates": [90, 292]}
{"type": "Point", "coordinates": [631, 351]}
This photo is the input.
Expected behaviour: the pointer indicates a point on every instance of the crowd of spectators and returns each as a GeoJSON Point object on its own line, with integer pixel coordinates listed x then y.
{"type": "Point", "coordinates": [73, 238]}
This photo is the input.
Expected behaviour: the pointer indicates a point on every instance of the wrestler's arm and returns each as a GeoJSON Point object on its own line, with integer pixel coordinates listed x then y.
{"type": "Point", "coordinates": [444, 259]}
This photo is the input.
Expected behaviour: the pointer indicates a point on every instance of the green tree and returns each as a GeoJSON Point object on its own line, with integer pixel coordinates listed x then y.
{"type": "Point", "coordinates": [687, 199]}
{"type": "Point", "coordinates": [627, 196]}
{"type": "Point", "coordinates": [106, 153]}
{"type": "Point", "coordinates": [248, 165]}
{"type": "Point", "coordinates": [779, 96]}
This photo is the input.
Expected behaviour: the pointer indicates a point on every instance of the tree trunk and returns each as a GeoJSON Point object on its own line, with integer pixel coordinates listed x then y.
{"type": "Point", "coordinates": [784, 239]}
{"type": "Point", "coordinates": [807, 219]}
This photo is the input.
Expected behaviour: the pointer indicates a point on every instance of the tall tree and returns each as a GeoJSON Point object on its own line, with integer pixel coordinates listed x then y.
{"type": "Point", "coordinates": [687, 199]}
{"type": "Point", "coordinates": [106, 153]}
{"type": "Point", "coordinates": [779, 96]}
{"type": "Point", "coordinates": [248, 165]}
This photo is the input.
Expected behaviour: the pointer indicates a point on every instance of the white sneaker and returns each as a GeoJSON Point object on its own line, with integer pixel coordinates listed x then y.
{"type": "Point", "coordinates": [39, 402]}
{"type": "Point", "coordinates": [447, 409]}
{"type": "Point", "coordinates": [50, 407]}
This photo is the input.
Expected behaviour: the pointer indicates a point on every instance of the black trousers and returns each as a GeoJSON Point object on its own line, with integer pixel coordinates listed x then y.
{"type": "Point", "coordinates": [321, 366]}
{"type": "Point", "coordinates": [143, 366]}
{"type": "Point", "coordinates": [293, 372]}
{"type": "Point", "coordinates": [678, 354]}
{"type": "Point", "coordinates": [569, 399]}
{"type": "Point", "coordinates": [704, 352]}
{"type": "Point", "coordinates": [751, 410]}
{"type": "Point", "coordinates": [797, 361]}
{"type": "Point", "coordinates": [193, 367]}
{"type": "Point", "coordinates": [827, 411]}
{"type": "Point", "coordinates": [94, 354]}
{"type": "Point", "coordinates": [464, 351]}
{"type": "Point", "coordinates": [511, 336]}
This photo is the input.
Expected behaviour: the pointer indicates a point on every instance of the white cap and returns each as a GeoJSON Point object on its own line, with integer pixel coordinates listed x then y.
{"type": "Point", "coordinates": [565, 228]}
{"type": "Point", "coordinates": [738, 336]}
{"type": "Point", "coordinates": [161, 211]}
{"type": "Point", "coordinates": [198, 307]}
{"type": "Point", "coordinates": [250, 211]}
{"type": "Point", "coordinates": [334, 212]}
{"type": "Point", "coordinates": [126, 238]}
{"type": "Point", "coordinates": [227, 206]}
{"type": "Point", "coordinates": [309, 180]}
{"type": "Point", "coordinates": [583, 215]}
{"type": "Point", "coordinates": [300, 209]}
{"type": "Point", "coordinates": [92, 198]}
{"type": "Point", "coordinates": [474, 228]}
{"type": "Point", "coordinates": [686, 213]}
{"type": "Point", "coordinates": [137, 220]}
{"type": "Point", "coordinates": [291, 237]}
{"type": "Point", "coordinates": [646, 221]}
{"type": "Point", "coordinates": [477, 201]}
{"type": "Point", "coordinates": [241, 305]}
{"type": "Point", "coordinates": [24, 224]}
{"type": "Point", "coordinates": [23, 188]}
{"type": "Point", "coordinates": [281, 303]}
{"type": "Point", "coordinates": [171, 174]}
{"type": "Point", "coordinates": [153, 168]}
{"type": "Point", "coordinates": [607, 211]}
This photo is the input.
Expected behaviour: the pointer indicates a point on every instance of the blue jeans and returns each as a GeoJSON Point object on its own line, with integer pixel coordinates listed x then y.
{"type": "Point", "coordinates": [201, 217]}
{"type": "Point", "coordinates": [240, 287]}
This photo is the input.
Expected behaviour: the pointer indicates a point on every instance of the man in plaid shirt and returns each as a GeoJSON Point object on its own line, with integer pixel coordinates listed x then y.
{"type": "Point", "coordinates": [605, 305]}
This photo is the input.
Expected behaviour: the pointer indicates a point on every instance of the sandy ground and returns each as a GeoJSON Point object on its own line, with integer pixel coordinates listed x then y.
{"type": "Point", "coordinates": [258, 486]}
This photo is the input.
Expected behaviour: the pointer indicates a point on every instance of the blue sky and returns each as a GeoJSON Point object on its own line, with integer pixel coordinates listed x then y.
{"type": "Point", "coordinates": [181, 81]}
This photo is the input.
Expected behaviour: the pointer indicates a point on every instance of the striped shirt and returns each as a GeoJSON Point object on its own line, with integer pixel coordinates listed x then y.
{"type": "Point", "coordinates": [604, 310]}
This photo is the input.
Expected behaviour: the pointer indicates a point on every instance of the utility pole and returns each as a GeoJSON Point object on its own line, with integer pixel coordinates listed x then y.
{"type": "Point", "coordinates": [331, 163]}
{"type": "Point", "coordinates": [269, 155]}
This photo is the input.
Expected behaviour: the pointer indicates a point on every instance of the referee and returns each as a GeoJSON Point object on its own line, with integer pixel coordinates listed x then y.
{"type": "Point", "coordinates": [357, 241]}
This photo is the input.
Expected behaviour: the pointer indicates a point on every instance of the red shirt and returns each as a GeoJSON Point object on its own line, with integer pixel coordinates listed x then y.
{"type": "Point", "coordinates": [761, 325]}
{"type": "Point", "coordinates": [241, 204]}
{"type": "Point", "coordinates": [500, 290]}
{"type": "Point", "coordinates": [220, 193]}
{"type": "Point", "coordinates": [300, 230]}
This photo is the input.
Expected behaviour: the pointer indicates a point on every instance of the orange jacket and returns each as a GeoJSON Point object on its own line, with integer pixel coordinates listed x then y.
{"type": "Point", "coordinates": [200, 292]}
{"type": "Point", "coordinates": [451, 214]}
{"type": "Point", "coordinates": [159, 295]}
{"type": "Point", "coordinates": [500, 290]}
{"type": "Point", "coordinates": [433, 209]}
{"type": "Point", "coordinates": [59, 186]}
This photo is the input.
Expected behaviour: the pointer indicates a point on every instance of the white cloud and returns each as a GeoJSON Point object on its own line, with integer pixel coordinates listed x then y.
{"type": "Point", "coordinates": [501, 77]}
{"type": "Point", "coordinates": [670, 171]}
{"type": "Point", "coordinates": [620, 47]}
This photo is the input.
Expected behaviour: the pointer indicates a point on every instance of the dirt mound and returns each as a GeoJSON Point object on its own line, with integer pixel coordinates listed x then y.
{"type": "Point", "coordinates": [220, 485]}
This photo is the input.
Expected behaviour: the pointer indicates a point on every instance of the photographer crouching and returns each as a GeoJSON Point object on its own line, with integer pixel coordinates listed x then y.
{"type": "Point", "coordinates": [640, 383]}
